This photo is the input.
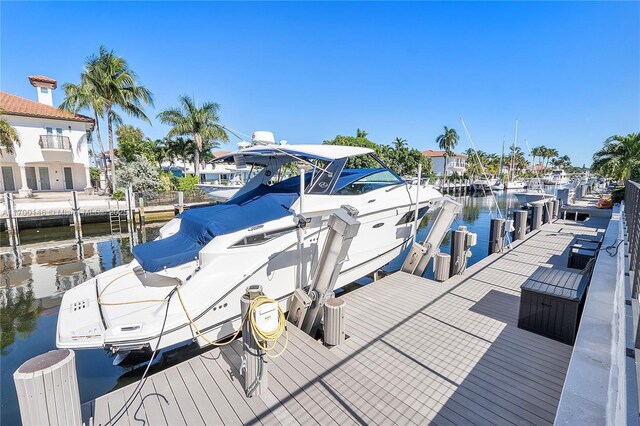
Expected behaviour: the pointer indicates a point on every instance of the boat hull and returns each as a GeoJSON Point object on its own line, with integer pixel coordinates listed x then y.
{"type": "Point", "coordinates": [527, 199]}
{"type": "Point", "coordinates": [212, 286]}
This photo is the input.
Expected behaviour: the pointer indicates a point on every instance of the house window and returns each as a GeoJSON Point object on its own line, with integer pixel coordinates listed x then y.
{"type": "Point", "coordinates": [44, 90]}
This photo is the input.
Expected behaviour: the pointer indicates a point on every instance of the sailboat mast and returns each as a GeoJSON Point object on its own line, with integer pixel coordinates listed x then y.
{"type": "Point", "coordinates": [513, 151]}
{"type": "Point", "coordinates": [501, 159]}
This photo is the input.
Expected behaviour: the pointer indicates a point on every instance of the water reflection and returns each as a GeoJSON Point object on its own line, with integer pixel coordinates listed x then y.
{"type": "Point", "coordinates": [34, 278]}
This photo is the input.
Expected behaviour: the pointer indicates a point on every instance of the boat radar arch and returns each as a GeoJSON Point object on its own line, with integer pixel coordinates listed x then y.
{"type": "Point", "coordinates": [262, 137]}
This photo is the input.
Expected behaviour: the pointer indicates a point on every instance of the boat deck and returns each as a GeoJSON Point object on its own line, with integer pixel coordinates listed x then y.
{"type": "Point", "coordinates": [417, 351]}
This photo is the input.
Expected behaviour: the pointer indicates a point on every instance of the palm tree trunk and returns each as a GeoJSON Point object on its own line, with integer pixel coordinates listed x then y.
{"type": "Point", "coordinates": [444, 167]}
{"type": "Point", "coordinates": [196, 163]}
{"type": "Point", "coordinates": [112, 154]}
{"type": "Point", "coordinates": [197, 139]}
{"type": "Point", "coordinates": [104, 160]}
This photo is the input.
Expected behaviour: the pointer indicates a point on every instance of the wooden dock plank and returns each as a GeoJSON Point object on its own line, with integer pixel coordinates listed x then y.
{"type": "Point", "coordinates": [188, 406]}
{"type": "Point", "coordinates": [417, 352]}
{"type": "Point", "coordinates": [202, 402]}
{"type": "Point", "coordinates": [170, 408]}
{"type": "Point", "coordinates": [218, 399]}
{"type": "Point", "coordinates": [249, 410]}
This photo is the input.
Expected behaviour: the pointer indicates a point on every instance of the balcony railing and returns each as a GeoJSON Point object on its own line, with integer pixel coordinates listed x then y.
{"type": "Point", "coordinates": [55, 142]}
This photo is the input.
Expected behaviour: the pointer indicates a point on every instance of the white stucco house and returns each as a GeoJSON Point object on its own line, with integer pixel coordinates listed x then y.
{"type": "Point", "coordinates": [457, 163]}
{"type": "Point", "coordinates": [53, 154]}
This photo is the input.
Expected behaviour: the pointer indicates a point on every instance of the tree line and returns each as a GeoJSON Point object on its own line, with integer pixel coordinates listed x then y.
{"type": "Point", "coordinates": [108, 89]}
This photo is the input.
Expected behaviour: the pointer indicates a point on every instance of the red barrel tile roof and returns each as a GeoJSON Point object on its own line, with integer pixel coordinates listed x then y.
{"type": "Point", "coordinates": [433, 153]}
{"type": "Point", "coordinates": [15, 105]}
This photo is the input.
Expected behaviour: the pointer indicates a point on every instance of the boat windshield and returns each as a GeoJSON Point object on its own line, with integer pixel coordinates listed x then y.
{"type": "Point", "coordinates": [353, 176]}
{"type": "Point", "coordinates": [349, 175]}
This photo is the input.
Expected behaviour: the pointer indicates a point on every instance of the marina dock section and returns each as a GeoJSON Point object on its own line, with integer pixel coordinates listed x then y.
{"type": "Point", "coordinates": [417, 351]}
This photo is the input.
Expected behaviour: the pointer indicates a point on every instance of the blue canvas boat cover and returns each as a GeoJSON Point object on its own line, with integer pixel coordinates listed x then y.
{"type": "Point", "coordinates": [199, 226]}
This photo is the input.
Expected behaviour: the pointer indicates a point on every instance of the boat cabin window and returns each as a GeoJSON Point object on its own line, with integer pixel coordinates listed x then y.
{"type": "Point", "coordinates": [375, 180]}
{"type": "Point", "coordinates": [364, 174]}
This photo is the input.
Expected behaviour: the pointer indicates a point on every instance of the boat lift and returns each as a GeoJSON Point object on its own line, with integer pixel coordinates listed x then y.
{"type": "Point", "coordinates": [420, 254]}
{"type": "Point", "coordinates": [306, 308]}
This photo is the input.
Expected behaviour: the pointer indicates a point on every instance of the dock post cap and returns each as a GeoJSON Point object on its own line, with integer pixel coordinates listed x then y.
{"type": "Point", "coordinates": [253, 291]}
{"type": "Point", "coordinates": [44, 361]}
{"type": "Point", "coordinates": [334, 302]}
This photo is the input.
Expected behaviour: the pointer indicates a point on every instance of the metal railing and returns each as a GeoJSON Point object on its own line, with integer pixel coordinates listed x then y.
{"type": "Point", "coordinates": [55, 142]}
{"type": "Point", "coordinates": [171, 198]}
{"type": "Point", "coordinates": [632, 216]}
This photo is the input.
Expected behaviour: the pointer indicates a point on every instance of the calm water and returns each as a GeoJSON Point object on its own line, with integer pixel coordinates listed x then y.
{"type": "Point", "coordinates": [33, 286]}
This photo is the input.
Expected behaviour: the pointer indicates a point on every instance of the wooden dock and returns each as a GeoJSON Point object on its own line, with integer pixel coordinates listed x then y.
{"type": "Point", "coordinates": [417, 352]}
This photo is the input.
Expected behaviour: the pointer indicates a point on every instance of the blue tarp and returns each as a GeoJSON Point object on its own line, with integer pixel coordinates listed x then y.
{"type": "Point", "coordinates": [199, 226]}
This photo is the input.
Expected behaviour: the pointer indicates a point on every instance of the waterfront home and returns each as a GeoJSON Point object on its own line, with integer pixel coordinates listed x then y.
{"type": "Point", "coordinates": [456, 163]}
{"type": "Point", "coordinates": [53, 153]}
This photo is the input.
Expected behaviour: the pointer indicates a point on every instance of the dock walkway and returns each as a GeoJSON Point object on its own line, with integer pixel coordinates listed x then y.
{"type": "Point", "coordinates": [417, 352]}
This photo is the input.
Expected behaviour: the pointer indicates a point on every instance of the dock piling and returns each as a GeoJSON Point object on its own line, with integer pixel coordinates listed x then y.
{"type": "Point", "coordinates": [458, 251]}
{"type": "Point", "coordinates": [180, 202]}
{"type": "Point", "coordinates": [334, 322]}
{"type": "Point", "coordinates": [520, 223]}
{"type": "Point", "coordinates": [536, 217]}
{"type": "Point", "coordinates": [496, 235]}
{"type": "Point", "coordinates": [441, 266]}
{"type": "Point", "coordinates": [12, 220]}
{"type": "Point", "coordinates": [75, 214]}
{"type": "Point", "coordinates": [255, 367]}
{"type": "Point", "coordinates": [141, 211]}
{"type": "Point", "coordinates": [47, 388]}
{"type": "Point", "coordinates": [547, 212]}
{"type": "Point", "coordinates": [556, 208]}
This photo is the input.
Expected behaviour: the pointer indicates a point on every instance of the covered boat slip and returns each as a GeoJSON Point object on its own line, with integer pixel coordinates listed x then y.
{"type": "Point", "coordinates": [417, 351]}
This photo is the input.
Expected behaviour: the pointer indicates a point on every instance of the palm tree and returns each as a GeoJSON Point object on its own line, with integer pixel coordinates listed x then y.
{"type": "Point", "coordinates": [361, 133]}
{"type": "Point", "coordinates": [83, 96]}
{"type": "Point", "coordinates": [400, 143]}
{"type": "Point", "coordinates": [180, 149]}
{"type": "Point", "coordinates": [550, 153]}
{"type": "Point", "coordinates": [447, 142]}
{"type": "Point", "coordinates": [115, 85]}
{"type": "Point", "coordinates": [537, 151]}
{"type": "Point", "coordinates": [201, 123]}
{"type": "Point", "coordinates": [8, 135]}
{"type": "Point", "coordinates": [619, 158]}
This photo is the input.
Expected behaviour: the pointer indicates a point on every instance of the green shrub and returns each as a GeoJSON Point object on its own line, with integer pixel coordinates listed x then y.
{"type": "Point", "coordinates": [141, 174]}
{"type": "Point", "coordinates": [187, 183]}
{"type": "Point", "coordinates": [617, 194]}
{"type": "Point", "coordinates": [118, 195]}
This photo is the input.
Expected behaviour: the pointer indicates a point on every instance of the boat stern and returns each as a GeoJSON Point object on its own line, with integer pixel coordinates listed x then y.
{"type": "Point", "coordinates": [80, 324]}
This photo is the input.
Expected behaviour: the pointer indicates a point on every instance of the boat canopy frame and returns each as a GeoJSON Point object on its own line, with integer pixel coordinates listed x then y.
{"type": "Point", "coordinates": [323, 179]}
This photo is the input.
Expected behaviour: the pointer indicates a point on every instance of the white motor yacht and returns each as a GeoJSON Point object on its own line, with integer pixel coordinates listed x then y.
{"type": "Point", "coordinates": [534, 193]}
{"type": "Point", "coordinates": [515, 184]}
{"type": "Point", "coordinates": [213, 253]}
{"type": "Point", "coordinates": [484, 184]}
{"type": "Point", "coordinates": [556, 177]}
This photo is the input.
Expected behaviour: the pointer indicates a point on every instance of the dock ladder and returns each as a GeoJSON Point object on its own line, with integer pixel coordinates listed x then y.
{"type": "Point", "coordinates": [114, 219]}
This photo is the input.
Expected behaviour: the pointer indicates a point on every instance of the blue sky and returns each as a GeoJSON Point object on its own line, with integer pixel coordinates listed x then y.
{"type": "Point", "coordinates": [569, 72]}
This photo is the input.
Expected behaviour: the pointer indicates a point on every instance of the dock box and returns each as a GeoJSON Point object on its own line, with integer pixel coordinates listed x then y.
{"type": "Point", "coordinates": [581, 252]}
{"type": "Point", "coordinates": [551, 303]}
